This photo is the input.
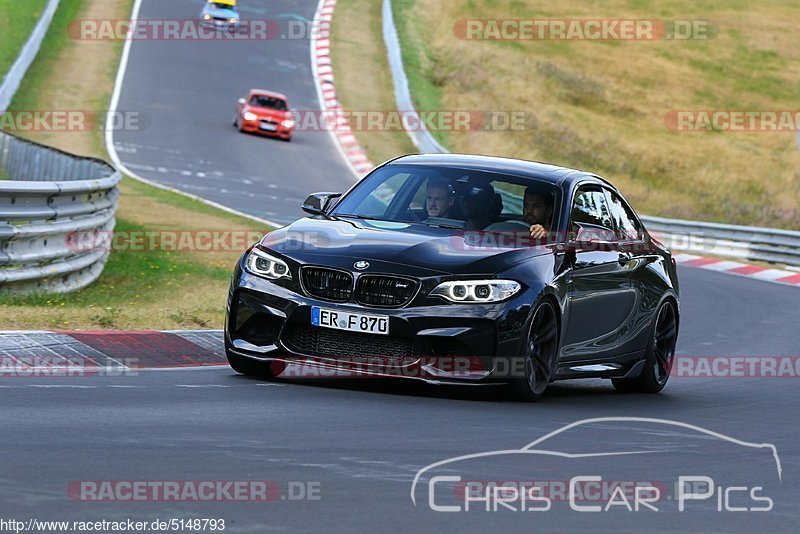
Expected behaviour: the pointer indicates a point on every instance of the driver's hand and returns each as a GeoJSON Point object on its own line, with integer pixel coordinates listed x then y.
{"type": "Point", "coordinates": [538, 231]}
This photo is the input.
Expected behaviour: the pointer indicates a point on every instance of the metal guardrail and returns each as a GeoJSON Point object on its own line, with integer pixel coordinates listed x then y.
{"type": "Point", "coordinates": [745, 242]}
{"type": "Point", "coordinates": [422, 138]}
{"type": "Point", "coordinates": [50, 196]}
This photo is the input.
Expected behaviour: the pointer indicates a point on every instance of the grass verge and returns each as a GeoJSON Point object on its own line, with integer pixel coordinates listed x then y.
{"type": "Point", "coordinates": [17, 20]}
{"type": "Point", "coordinates": [601, 106]}
{"type": "Point", "coordinates": [148, 289]}
{"type": "Point", "coordinates": [363, 78]}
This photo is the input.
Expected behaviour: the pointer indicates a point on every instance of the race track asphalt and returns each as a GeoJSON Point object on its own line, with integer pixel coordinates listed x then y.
{"type": "Point", "coordinates": [361, 443]}
{"type": "Point", "coordinates": [186, 91]}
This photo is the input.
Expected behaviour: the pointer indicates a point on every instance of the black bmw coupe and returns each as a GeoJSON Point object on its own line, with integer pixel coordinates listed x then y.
{"type": "Point", "coordinates": [461, 270]}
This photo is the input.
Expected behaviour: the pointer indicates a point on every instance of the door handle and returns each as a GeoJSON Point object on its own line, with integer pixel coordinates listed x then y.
{"type": "Point", "coordinates": [624, 257]}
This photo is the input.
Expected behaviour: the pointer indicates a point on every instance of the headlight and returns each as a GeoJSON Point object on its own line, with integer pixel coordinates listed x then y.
{"type": "Point", "coordinates": [232, 20]}
{"type": "Point", "coordinates": [262, 264]}
{"type": "Point", "coordinates": [250, 116]}
{"type": "Point", "coordinates": [476, 290]}
{"type": "Point", "coordinates": [206, 17]}
{"type": "Point", "coordinates": [288, 123]}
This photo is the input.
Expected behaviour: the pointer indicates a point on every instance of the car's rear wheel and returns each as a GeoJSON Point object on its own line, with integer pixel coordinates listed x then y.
{"type": "Point", "coordinates": [249, 367]}
{"type": "Point", "coordinates": [659, 356]}
{"type": "Point", "coordinates": [541, 353]}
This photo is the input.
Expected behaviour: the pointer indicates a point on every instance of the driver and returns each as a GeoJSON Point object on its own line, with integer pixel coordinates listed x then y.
{"type": "Point", "coordinates": [537, 210]}
{"type": "Point", "coordinates": [439, 198]}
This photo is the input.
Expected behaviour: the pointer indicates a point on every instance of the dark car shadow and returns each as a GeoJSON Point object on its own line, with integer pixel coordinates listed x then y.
{"type": "Point", "coordinates": [597, 390]}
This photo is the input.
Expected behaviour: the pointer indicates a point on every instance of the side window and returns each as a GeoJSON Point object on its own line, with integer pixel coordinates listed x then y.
{"type": "Point", "coordinates": [418, 202]}
{"type": "Point", "coordinates": [591, 218]}
{"type": "Point", "coordinates": [626, 224]}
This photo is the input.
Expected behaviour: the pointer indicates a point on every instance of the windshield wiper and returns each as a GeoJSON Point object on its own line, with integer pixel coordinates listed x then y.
{"type": "Point", "coordinates": [362, 217]}
{"type": "Point", "coordinates": [437, 225]}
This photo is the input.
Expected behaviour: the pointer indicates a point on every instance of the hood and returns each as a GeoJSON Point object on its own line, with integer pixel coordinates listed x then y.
{"type": "Point", "coordinates": [341, 242]}
{"type": "Point", "coordinates": [266, 113]}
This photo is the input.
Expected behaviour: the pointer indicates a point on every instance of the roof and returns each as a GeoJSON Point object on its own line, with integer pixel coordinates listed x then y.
{"type": "Point", "coordinates": [264, 92]}
{"type": "Point", "coordinates": [231, 3]}
{"type": "Point", "coordinates": [518, 167]}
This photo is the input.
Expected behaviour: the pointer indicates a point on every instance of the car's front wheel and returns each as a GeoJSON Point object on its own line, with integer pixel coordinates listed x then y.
{"type": "Point", "coordinates": [540, 355]}
{"type": "Point", "coordinates": [248, 367]}
{"type": "Point", "coordinates": [237, 124]}
{"type": "Point", "coordinates": [659, 355]}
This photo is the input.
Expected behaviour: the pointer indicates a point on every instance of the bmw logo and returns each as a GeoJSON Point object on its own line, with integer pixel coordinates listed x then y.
{"type": "Point", "coordinates": [361, 265]}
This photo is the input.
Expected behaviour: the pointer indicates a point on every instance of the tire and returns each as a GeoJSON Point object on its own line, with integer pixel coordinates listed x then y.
{"type": "Point", "coordinates": [659, 356]}
{"type": "Point", "coordinates": [239, 126]}
{"type": "Point", "coordinates": [248, 367]}
{"type": "Point", "coordinates": [540, 353]}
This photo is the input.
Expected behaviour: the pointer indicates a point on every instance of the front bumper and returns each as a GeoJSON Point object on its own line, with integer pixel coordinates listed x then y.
{"type": "Point", "coordinates": [220, 24]}
{"type": "Point", "coordinates": [440, 343]}
{"type": "Point", "coordinates": [255, 127]}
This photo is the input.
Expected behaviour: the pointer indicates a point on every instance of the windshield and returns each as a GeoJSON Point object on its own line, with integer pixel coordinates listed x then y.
{"type": "Point", "coordinates": [452, 197]}
{"type": "Point", "coordinates": [269, 102]}
{"type": "Point", "coordinates": [220, 5]}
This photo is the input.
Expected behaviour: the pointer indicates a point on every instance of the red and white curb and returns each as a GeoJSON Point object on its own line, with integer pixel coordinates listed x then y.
{"type": "Point", "coordinates": [766, 274]}
{"type": "Point", "coordinates": [323, 77]}
{"type": "Point", "coordinates": [22, 351]}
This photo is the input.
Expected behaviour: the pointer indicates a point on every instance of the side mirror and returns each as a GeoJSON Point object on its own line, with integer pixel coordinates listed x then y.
{"type": "Point", "coordinates": [565, 247]}
{"type": "Point", "coordinates": [242, 101]}
{"type": "Point", "coordinates": [318, 203]}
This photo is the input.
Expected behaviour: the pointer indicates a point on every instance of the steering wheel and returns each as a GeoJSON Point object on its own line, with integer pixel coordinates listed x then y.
{"type": "Point", "coordinates": [507, 226]}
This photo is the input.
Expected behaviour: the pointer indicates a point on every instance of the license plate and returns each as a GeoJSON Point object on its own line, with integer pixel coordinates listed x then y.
{"type": "Point", "coordinates": [268, 127]}
{"type": "Point", "coordinates": [352, 322]}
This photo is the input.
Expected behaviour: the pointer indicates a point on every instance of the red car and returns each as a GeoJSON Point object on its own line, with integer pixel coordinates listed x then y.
{"type": "Point", "coordinates": [266, 113]}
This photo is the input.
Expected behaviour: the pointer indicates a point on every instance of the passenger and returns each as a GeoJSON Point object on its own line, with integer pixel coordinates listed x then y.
{"type": "Point", "coordinates": [439, 198]}
{"type": "Point", "coordinates": [537, 210]}
{"type": "Point", "coordinates": [475, 204]}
